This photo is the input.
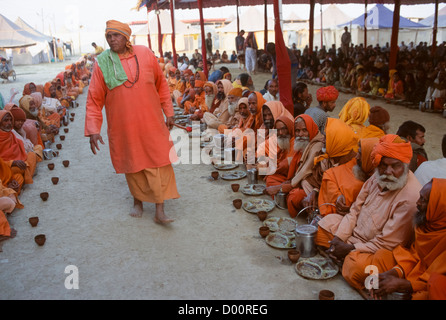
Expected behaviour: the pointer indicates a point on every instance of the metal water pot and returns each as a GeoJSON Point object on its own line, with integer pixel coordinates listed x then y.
{"type": "Point", "coordinates": [280, 199]}
{"type": "Point", "coordinates": [429, 104]}
{"type": "Point", "coordinates": [252, 176]}
{"type": "Point", "coordinates": [49, 154]}
{"type": "Point", "coordinates": [305, 240]}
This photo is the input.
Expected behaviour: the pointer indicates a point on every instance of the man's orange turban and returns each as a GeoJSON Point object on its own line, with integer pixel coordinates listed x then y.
{"type": "Point", "coordinates": [235, 92]}
{"type": "Point", "coordinates": [122, 28]}
{"type": "Point", "coordinates": [392, 146]}
{"type": "Point", "coordinates": [326, 94]}
{"type": "Point", "coordinates": [199, 84]}
{"type": "Point", "coordinates": [311, 126]}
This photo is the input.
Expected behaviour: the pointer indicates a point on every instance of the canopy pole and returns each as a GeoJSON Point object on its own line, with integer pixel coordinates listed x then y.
{"type": "Point", "coordinates": [148, 30]}
{"type": "Point", "coordinates": [265, 36]}
{"type": "Point", "coordinates": [283, 63]}
{"type": "Point", "coordinates": [310, 42]}
{"type": "Point", "coordinates": [322, 27]}
{"type": "Point", "coordinates": [238, 18]}
{"type": "Point", "coordinates": [394, 39]}
{"type": "Point", "coordinates": [203, 38]}
{"type": "Point", "coordinates": [365, 24]}
{"type": "Point", "coordinates": [434, 31]}
{"type": "Point", "coordinates": [172, 16]}
{"type": "Point", "coordinates": [160, 34]}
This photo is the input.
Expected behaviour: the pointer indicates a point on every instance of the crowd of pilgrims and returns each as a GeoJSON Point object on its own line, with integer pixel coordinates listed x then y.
{"type": "Point", "coordinates": [313, 157]}
{"type": "Point", "coordinates": [30, 127]}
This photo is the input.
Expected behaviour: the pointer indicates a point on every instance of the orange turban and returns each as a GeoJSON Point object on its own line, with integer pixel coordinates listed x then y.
{"type": "Point", "coordinates": [340, 140]}
{"type": "Point", "coordinates": [367, 145]}
{"type": "Point", "coordinates": [235, 92]}
{"type": "Point", "coordinates": [325, 94]}
{"type": "Point", "coordinates": [18, 113]}
{"type": "Point", "coordinates": [122, 28]}
{"type": "Point", "coordinates": [392, 146]}
{"type": "Point", "coordinates": [199, 84]}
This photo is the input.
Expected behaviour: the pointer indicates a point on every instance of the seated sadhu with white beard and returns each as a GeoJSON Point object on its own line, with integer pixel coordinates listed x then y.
{"type": "Point", "coordinates": [381, 217]}
{"type": "Point", "coordinates": [268, 152]}
{"type": "Point", "coordinates": [307, 140]}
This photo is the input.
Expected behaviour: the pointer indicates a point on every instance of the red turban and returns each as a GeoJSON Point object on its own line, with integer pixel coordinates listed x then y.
{"type": "Point", "coordinates": [18, 113]}
{"type": "Point", "coordinates": [392, 146]}
{"type": "Point", "coordinates": [188, 71]}
{"type": "Point", "coordinates": [378, 116]}
{"type": "Point", "coordinates": [325, 94]}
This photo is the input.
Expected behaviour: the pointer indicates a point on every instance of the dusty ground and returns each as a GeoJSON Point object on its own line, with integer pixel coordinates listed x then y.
{"type": "Point", "coordinates": [211, 251]}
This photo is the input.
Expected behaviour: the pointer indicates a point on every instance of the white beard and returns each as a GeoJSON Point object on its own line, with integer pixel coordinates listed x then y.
{"type": "Point", "coordinates": [35, 113]}
{"type": "Point", "coordinates": [301, 143]}
{"type": "Point", "coordinates": [232, 108]}
{"type": "Point", "coordinates": [359, 174]}
{"type": "Point", "coordinates": [209, 99]}
{"type": "Point", "coordinates": [283, 142]}
{"type": "Point", "coordinates": [396, 183]}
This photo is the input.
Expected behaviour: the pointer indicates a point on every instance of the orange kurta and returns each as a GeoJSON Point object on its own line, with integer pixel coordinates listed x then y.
{"type": "Point", "coordinates": [137, 133]}
{"type": "Point", "coordinates": [336, 181]}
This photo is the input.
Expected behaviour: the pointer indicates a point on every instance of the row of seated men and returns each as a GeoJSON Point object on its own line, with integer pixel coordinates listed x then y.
{"type": "Point", "coordinates": [381, 201]}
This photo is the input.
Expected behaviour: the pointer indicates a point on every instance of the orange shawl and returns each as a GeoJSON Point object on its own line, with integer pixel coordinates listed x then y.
{"type": "Point", "coordinates": [256, 121]}
{"type": "Point", "coordinates": [11, 148]}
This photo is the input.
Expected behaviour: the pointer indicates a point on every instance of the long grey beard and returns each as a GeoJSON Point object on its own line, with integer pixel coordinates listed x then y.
{"type": "Point", "coordinates": [419, 219]}
{"type": "Point", "coordinates": [396, 183]}
{"type": "Point", "coordinates": [283, 142]}
{"type": "Point", "coordinates": [209, 99]}
{"type": "Point", "coordinates": [232, 108]}
{"type": "Point", "coordinates": [300, 144]}
{"type": "Point", "coordinates": [359, 174]}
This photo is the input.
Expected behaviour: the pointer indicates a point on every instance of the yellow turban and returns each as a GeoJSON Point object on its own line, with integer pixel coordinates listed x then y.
{"type": "Point", "coordinates": [355, 112]}
{"type": "Point", "coordinates": [340, 140]}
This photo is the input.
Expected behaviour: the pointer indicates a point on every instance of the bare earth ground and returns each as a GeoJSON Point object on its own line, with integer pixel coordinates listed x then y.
{"type": "Point", "coordinates": [211, 251]}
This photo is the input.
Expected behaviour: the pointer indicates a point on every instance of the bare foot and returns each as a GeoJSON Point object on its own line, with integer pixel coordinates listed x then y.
{"type": "Point", "coordinates": [160, 216]}
{"type": "Point", "coordinates": [137, 209]}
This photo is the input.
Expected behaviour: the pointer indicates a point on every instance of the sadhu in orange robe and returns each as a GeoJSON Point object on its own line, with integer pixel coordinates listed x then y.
{"type": "Point", "coordinates": [140, 143]}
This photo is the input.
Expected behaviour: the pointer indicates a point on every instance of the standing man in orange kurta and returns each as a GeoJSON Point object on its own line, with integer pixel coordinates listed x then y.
{"type": "Point", "coordinates": [130, 83]}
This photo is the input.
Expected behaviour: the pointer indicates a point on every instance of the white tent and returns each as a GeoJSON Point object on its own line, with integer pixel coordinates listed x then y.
{"type": "Point", "coordinates": [186, 36]}
{"type": "Point", "coordinates": [441, 31]}
{"type": "Point", "coordinates": [252, 20]}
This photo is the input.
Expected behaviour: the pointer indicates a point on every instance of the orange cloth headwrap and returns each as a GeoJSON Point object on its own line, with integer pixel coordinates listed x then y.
{"type": "Point", "coordinates": [325, 94]}
{"type": "Point", "coordinates": [312, 127]}
{"type": "Point", "coordinates": [199, 84]}
{"type": "Point", "coordinates": [236, 92]}
{"type": "Point", "coordinates": [339, 140]}
{"type": "Point", "coordinates": [392, 146]}
{"type": "Point", "coordinates": [122, 28]}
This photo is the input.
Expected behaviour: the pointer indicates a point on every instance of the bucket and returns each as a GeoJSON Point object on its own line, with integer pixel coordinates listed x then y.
{"type": "Point", "coordinates": [305, 240]}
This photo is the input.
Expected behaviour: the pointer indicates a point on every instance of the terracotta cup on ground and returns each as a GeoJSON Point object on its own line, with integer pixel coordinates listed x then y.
{"type": "Point", "coordinates": [62, 137]}
{"type": "Point", "coordinates": [235, 187]}
{"type": "Point", "coordinates": [326, 295]}
{"type": "Point", "coordinates": [264, 231]}
{"type": "Point", "coordinates": [72, 114]}
{"type": "Point", "coordinates": [237, 203]}
{"type": "Point", "coordinates": [44, 196]}
{"type": "Point", "coordinates": [59, 146]}
{"type": "Point", "coordinates": [293, 255]}
{"type": "Point", "coordinates": [33, 221]}
{"type": "Point", "coordinates": [51, 166]}
{"type": "Point", "coordinates": [71, 119]}
{"type": "Point", "coordinates": [66, 163]}
{"type": "Point", "coordinates": [262, 215]}
{"type": "Point", "coordinates": [65, 130]}
{"type": "Point", "coordinates": [40, 239]}
{"type": "Point", "coordinates": [215, 175]}
{"type": "Point", "coordinates": [55, 180]}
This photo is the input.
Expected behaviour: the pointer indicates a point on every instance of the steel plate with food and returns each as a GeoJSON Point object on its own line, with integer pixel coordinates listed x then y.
{"type": "Point", "coordinates": [234, 175]}
{"type": "Point", "coordinates": [253, 189]}
{"type": "Point", "coordinates": [279, 240]}
{"type": "Point", "coordinates": [284, 225]}
{"type": "Point", "coordinates": [316, 268]}
{"type": "Point", "coordinates": [256, 205]}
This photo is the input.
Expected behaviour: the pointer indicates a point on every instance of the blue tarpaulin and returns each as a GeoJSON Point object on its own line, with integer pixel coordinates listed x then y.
{"type": "Point", "coordinates": [380, 17]}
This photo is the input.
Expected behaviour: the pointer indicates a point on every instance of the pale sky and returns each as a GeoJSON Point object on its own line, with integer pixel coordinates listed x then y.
{"type": "Point", "coordinates": [92, 15]}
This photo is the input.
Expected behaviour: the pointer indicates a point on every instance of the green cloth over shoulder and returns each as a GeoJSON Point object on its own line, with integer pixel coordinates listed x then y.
{"type": "Point", "coordinates": [112, 70]}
